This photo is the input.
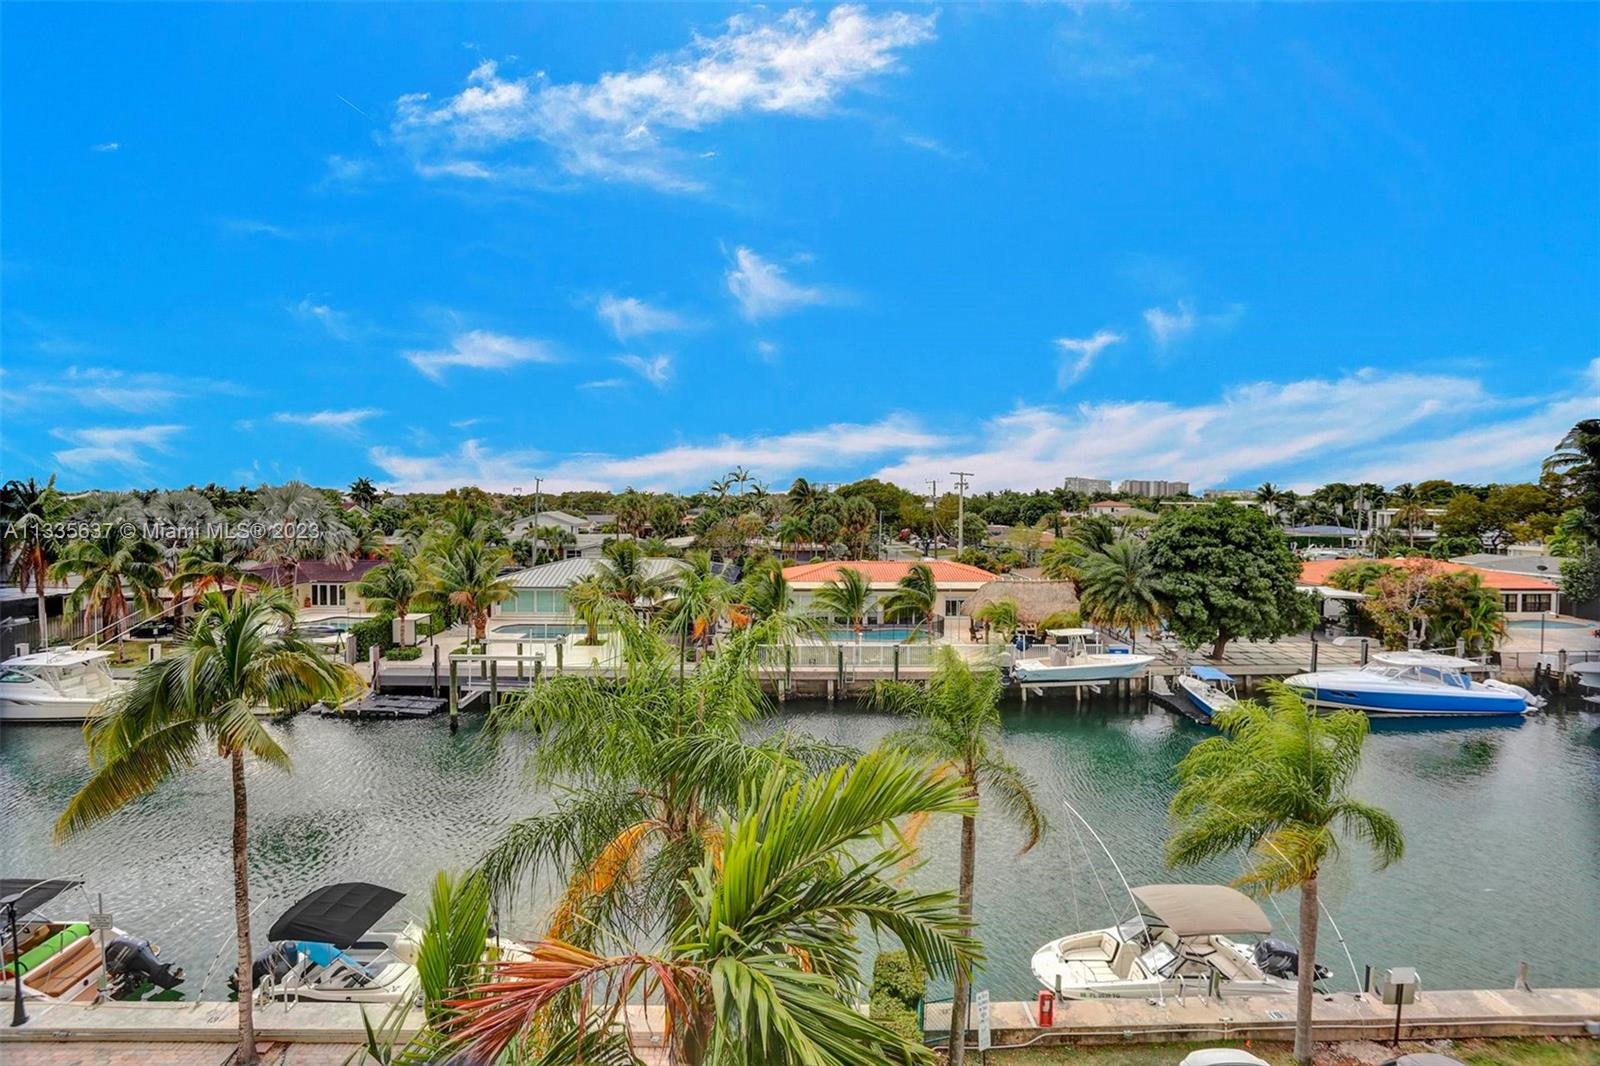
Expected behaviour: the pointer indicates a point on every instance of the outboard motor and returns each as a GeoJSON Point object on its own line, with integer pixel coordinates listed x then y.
{"type": "Point", "coordinates": [276, 962]}
{"type": "Point", "coordinates": [1279, 958]}
{"type": "Point", "coordinates": [131, 961]}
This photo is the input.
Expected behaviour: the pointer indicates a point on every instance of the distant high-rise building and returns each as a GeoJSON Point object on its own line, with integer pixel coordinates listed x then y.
{"type": "Point", "coordinates": [1155, 490]}
{"type": "Point", "coordinates": [1087, 485]}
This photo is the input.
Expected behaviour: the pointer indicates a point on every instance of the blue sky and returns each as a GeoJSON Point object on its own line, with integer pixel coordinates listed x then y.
{"type": "Point", "coordinates": [620, 245]}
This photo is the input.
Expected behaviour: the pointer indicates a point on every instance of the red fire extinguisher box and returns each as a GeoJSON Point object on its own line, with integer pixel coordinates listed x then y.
{"type": "Point", "coordinates": [1047, 1009]}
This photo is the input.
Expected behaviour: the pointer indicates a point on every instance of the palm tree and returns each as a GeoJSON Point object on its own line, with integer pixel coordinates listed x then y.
{"type": "Point", "coordinates": [1063, 560]}
{"type": "Point", "coordinates": [700, 599]}
{"type": "Point", "coordinates": [1277, 782]}
{"type": "Point", "coordinates": [956, 723]}
{"type": "Point", "coordinates": [466, 575]}
{"type": "Point", "coordinates": [792, 530]}
{"type": "Point", "coordinates": [202, 698]}
{"type": "Point", "coordinates": [916, 596]}
{"type": "Point", "coordinates": [1577, 458]}
{"type": "Point", "coordinates": [1118, 587]}
{"type": "Point", "coordinates": [211, 565]}
{"type": "Point", "coordinates": [765, 590]}
{"type": "Point", "coordinates": [1269, 496]}
{"type": "Point", "coordinates": [644, 761]}
{"type": "Point", "coordinates": [623, 571]}
{"type": "Point", "coordinates": [390, 587]}
{"type": "Point", "coordinates": [762, 964]}
{"type": "Point", "coordinates": [111, 566]}
{"type": "Point", "coordinates": [846, 597]}
{"type": "Point", "coordinates": [591, 603]}
{"type": "Point", "coordinates": [1001, 615]}
{"type": "Point", "coordinates": [363, 493]}
{"type": "Point", "coordinates": [28, 509]}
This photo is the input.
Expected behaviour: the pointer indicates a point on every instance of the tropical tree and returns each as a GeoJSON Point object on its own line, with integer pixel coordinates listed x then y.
{"type": "Point", "coordinates": [644, 762]}
{"type": "Point", "coordinates": [111, 567]}
{"type": "Point", "coordinates": [1270, 497]}
{"type": "Point", "coordinates": [363, 493]}
{"type": "Point", "coordinates": [210, 565]}
{"type": "Point", "coordinates": [592, 604]}
{"type": "Point", "coordinates": [1276, 782]}
{"type": "Point", "coordinates": [793, 529]}
{"type": "Point", "coordinates": [389, 587]}
{"type": "Point", "coordinates": [623, 570]}
{"type": "Point", "coordinates": [465, 574]}
{"type": "Point", "coordinates": [1577, 460]}
{"type": "Point", "coordinates": [202, 698]}
{"type": "Point", "coordinates": [765, 591]}
{"type": "Point", "coordinates": [1117, 587]}
{"type": "Point", "coordinates": [763, 963]}
{"type": "Point", "coordinates": [846, 597]}
{"type": "Point", "coordinates": [955, 722]}
{"type": "Point", "coordinates": [916, 597]}
{"type": "Point", "coordinates": [1063, 560]}
{"type": "Point", "coordinates": [700, 598]}
{"type": "Point", "coordinates": [1000, 615]}
{"type": "Point", "coordinates": [28, 508]}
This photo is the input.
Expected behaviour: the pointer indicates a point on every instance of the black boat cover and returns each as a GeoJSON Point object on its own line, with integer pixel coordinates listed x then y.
{"type": "Point", "coordinates": [335, 914]}
{"type": "Point", "coordinates": [28, 894]}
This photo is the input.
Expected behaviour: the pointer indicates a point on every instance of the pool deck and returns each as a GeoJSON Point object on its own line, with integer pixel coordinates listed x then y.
{"type": "Point", "coordinates": [1340, 1016]}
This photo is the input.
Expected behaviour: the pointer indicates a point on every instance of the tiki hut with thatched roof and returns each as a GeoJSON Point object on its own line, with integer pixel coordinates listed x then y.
{"type": "Point", "coordinates": [1036, 598]}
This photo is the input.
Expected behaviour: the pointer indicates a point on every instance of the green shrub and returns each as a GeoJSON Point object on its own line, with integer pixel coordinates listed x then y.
{"type": "Point", "coordinates": [435, 623]}
{"type": "Point", "coordinates": [373, 632]}
{"type": "Point", "coordinates": [896, 976]}
{"type": "Point", "coordinates": [1061, 620]}
{"type": "Point", "coordinates": [402, 654]}
{"type": "Point", "coordinates": [895, 1016]}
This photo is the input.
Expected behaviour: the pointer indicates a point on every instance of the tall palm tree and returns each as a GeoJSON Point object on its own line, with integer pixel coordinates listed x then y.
{"type": "Point", "coordinates": [763, 963]}
{"type": "Point", "coordinates": [28, 509]}
{"type": "Point", "coordinates": [955, 721]}
{"type": "Point", "coordinates": [202, 698]}
{"type": "Point", "coordinates": [700, 598]}
{"type": "Point", "coordinates": [765, 590]}
{"type": "Point", "coordinates": [792, 529]}
{"type": "Point", "coordinates": [1001, 615]}
{"type": "Point", "coordinates": [1063, 560]}
{"type": "Point", "coordinates": [645, 761]}
{"type": "Point", "coordinates": [390, 586]}
{"type": "Point", "coordinates": [624, 571]}
{"type": "Point", "coordinates": [846, 597]}
{"type": "Point", "coordinates": [1118, 587]}
{"type": "Point", "coordinates": [1577, 458]}
{"type": "Point", "coordinates": [111, 567]}
{"type": "Point", "coordinates": [591, 603]}
{"type": "Point", "coordinates": [466, 575]}
{"type": "Point", "coordinates": [1277, 782]}
{"type": "Point", "coordinates": [1269, 496]}
{"type": "Point", "coordinates": [210, 565]}
{"type": "Point", "coordinates": [363, 493]}
{"type": "Point", "coordinates": [916, 597]}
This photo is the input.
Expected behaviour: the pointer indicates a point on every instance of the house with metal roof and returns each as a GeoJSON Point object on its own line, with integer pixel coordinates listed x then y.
{"type": "Point", "coordinates": [539, 593]}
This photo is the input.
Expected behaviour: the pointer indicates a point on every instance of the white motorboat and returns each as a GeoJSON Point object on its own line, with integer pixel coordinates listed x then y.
{"type": "Point", "coordinates": [1207, 689]}
{"type": "Point", "coordinates": [323, 949]}
{"type": "Point", "coordinates": [1413, 683]}
{"type": "Point", "coordinates": [1078, 655]}
{"type": "Point", "coordinates": [67, 960]}
{"type": "Point", "coordinates": [55, 686]}
{"type": "Point", "coordinates": [1180, 941]}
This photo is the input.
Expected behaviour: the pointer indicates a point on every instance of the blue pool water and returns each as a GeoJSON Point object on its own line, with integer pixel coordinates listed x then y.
{"type": "Point", "coordinates": [883, 634]}
{"type": "Point", "coordinates": [334, 624]}
{"type": "Point", "coordinates": [1549, 624]}
{"type": "Point", "coordinates": [536, 631]}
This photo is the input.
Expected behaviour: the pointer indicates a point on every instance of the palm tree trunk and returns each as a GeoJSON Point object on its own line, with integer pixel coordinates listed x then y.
{"type": "Point", "coordinates": [958, 1002]}
{"type": "Point", "coordinates": [1305, 991]}
{"type": "Point", "coordinates": [241, 914]}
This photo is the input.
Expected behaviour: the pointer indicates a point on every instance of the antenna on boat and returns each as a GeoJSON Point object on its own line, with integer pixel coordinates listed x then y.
{"type": "Point", "coordinates": [1125, 887]}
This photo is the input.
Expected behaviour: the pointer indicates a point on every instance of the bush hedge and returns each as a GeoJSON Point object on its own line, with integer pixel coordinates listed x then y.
{"type": "Point", "coordinates": [402, 654]}
{"type": "Point", "coordinates": [895, 1016]}
{"type": "Point", "coordinates": [896, 976]}
{"type": "Point", "coordinates": [372, 632]}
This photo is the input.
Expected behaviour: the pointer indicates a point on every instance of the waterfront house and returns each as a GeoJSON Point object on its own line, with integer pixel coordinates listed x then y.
{"type": "Point", "coordinates": [320, 588]}
{"type": "Point", "coordinates": [1521, 566]}
{"type": "Point", "coordinates": [1521, 595]}
{"type": "Point", "coordinates": [955, 583]}
{"type": "Point", "coordinates": [539, 593]}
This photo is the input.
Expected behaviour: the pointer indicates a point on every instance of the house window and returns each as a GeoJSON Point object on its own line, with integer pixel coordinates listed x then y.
{"type": "Point", "coordinates": [1535, 601]}
{"type": "Point", "coordinates": [1508, 602]}
{"type": "Point", "coordinates": [327, 594]}
{"type": "Point", "coordinates": [952, 608]}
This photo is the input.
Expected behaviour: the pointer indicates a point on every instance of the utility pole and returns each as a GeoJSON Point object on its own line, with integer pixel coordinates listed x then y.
{"type": "Point", "coordinates": [933, 517]}
{"type": "Point", "coordinates": [961, 508]}
{"type": "Point", "coordinates": [537, 500]}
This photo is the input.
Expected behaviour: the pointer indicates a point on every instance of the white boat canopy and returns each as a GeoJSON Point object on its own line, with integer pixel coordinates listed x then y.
{"type": "Point", "coordinates": [57, 658]}
{"type": "Point", "coordinates": [1423, 658]}
{"type": "Point", "coordinates": [1198, 910]}
{"type": "Point", "coordinates": [1060, 633]}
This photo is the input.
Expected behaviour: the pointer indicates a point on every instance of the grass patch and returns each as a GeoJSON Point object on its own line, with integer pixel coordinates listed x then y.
{"type": "Point", "coordinates": [1537, 1051]}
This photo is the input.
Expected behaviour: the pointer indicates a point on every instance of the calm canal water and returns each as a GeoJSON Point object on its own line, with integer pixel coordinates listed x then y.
{"type": "Point", "coordinates": [1502, 828]}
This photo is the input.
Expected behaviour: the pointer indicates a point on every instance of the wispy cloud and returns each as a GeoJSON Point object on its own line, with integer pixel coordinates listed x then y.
{"type": "Point", "coordinates": [129, 447]}
{"type": "Point", "coordinates": [336, 421]}
{"type": "Point", "coordinates": [604, 383]}
{"type": "Point", "coordinates": [102, 388]}
{"type": "Point", "coordinates": [255, 227]}
{"type": "Point", "coordinates": [631, 317]}
{"type": "Point", "coordinates": [1079, 353]}
{"type": "Point", "coordinates": [344, 169]}
{"type": "Point", "coordinates": [337, 323]}
{"type": "Point", "coordinates": [657, 370]}
{"type": "Point", "coordinates": [108, 146]}
{"type": "Point", "coordinates": [629, 125]}
{"type": "Point", "coordinates": [481, 350]}
{"type": "Point", "coordinates": [1167, 328]}
{"type": "Point", "coordinates": [763, 289]}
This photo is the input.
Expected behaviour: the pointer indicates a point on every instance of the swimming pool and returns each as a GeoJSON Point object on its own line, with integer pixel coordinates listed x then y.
{"type": "Point", "coordinates": [331, 625]}
{"type": "Point", "coordinates": [883, 634]}
{"type": "Point", "coordinates": [536, 631]}
{"type": "Point", "coordinates": [1549, 624]}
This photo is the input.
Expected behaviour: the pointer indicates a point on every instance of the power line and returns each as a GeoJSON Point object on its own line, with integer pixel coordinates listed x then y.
{"type": "Point", "coordinates": [962, 484]}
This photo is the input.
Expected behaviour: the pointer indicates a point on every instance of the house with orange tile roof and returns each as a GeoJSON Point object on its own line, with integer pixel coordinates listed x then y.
{"type": "Point", "coordinates": [955, 582]}
{"type": "Point", "coordinates": [1521, 595]}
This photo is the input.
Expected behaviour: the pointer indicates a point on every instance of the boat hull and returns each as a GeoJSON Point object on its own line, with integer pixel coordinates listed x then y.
{"type": "Point", "coordinates": [24, 709]}
{"type": "Point", "coordinates": [1345, 693]}
{"type": "Point", "coordinates": [1203, 697]}
{"type": "Point", "coordinates": [1098, 668]}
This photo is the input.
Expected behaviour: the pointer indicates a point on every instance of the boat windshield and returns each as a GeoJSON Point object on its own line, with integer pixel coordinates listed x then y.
{"type": "Point", "coordinates": [14, 677]}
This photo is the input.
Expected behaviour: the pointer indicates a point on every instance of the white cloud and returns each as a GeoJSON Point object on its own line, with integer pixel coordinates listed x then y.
{"type": "Point", "coordinates": [630, 317]}
{"type": "Point", "coordinates": [98, 387]}
{"type": "Point", "coordinates": [682, 466]}
{"type": "Point", "coordinates": [481, 350]}
{"type": "Point", "coordinates": [344, 169]}
{"type": "Point", "coordinates": [121, 446]}
{"type": "Point", "coordinates": [345, 421]}
{"type": "Point", "coordinates": [763, 290]}
{"type": "Point", "coordinates": [337, 323]}
{"type": "Point", "coordinates": [626, 125]}
{"type": "Point", "coordinates": [255, 227]}
{"type": "Point", "coordinates": [1169, 327]}
{"type": "Point", "coordinates": [604, 383]}
{"type": "Point", "coordinates": [657, 369]}
{"type": "Point", "coordinates": [108, 146]}
{"type": "Point", "coordinates": [1079, 353]}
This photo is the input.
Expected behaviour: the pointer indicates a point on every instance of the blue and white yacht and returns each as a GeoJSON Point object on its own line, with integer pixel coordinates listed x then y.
{"type": "Point", "coordinates": [1207, 689]}
{"type": "Point", "coordinates": [1413, 683]}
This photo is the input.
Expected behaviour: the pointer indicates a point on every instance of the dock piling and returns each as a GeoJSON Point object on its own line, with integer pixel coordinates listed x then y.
{"type": "Point", "coordinates": [436, 671]}
{"type": "Point", "coordinates": [455, 694]}
{"type": "Point", "coordinates": [494, 683]}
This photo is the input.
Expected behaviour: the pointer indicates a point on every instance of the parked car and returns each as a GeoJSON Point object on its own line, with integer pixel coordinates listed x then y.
{"type": "Point", "coordinates": [154, 629]}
